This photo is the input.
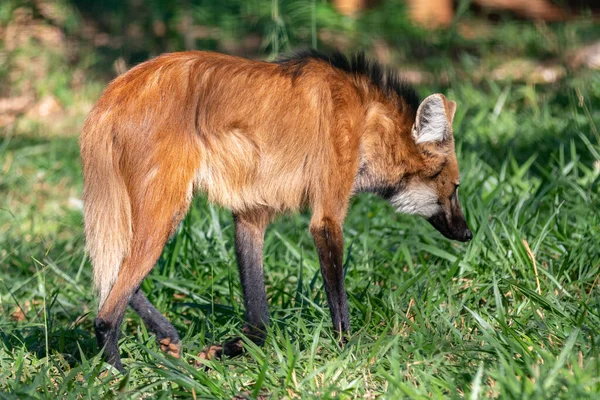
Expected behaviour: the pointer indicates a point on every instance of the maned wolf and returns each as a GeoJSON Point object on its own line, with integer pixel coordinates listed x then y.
{"type": "Point", "coordinates": [258, 138]}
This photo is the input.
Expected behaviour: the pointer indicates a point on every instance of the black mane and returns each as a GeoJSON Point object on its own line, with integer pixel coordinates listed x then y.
{"type": "Point", "coordinates": [358, 64]}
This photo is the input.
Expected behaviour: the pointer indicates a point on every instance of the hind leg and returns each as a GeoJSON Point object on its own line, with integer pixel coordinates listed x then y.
{"type": "Point", "coordinates": [134, 269]}
{"type": "Point", "coordinates": [249, 240]}
{"type": "Point", "coordinates": [154, 219]}
{"type": "Point", "coordinates": [110, 316]}
{"type": "Point", "coordinates": [166, 334]}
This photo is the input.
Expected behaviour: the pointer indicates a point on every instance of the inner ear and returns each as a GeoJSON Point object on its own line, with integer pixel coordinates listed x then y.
{"type": "Point", "coordinates": [432, 123]}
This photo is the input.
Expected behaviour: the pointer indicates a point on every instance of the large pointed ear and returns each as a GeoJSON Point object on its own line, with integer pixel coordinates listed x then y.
{"type": "Point", "coordinates": [434, 119]}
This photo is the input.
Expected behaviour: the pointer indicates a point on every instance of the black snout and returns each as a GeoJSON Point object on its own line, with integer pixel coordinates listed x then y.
{"type": "Point", "coordinates": [457, 229]}
{"type": "Point", "coordinates": [468, 235]}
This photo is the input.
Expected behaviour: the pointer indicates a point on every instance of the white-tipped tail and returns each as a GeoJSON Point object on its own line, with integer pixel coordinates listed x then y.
{"type": "Point", "coordinates": [107, 207]}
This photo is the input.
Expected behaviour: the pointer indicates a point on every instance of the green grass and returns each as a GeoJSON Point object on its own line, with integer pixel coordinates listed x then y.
{"type": "Point", "coordinates": [430, 318]}
{"type": "Point", "coordinates": [513, 314]}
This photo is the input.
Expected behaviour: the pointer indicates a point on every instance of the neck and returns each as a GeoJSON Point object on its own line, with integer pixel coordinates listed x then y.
{"type": "Point", "coordinates": [387, 150]}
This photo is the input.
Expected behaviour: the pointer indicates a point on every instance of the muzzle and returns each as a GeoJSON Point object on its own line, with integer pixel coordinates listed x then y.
{"type": "Point", "coordinates": [456, 229]}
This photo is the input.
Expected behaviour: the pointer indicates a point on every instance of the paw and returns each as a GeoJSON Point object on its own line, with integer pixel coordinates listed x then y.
{"type": "Point", "coordinates": [169, 347]}
{"type": "Point", "coordinates": [213, 352]}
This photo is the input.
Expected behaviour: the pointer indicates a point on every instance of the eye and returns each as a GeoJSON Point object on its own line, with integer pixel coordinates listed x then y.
{"type": "Point", "coordinates": [435, 174]}
{"type": "Point", "coordinates": [438, 171]}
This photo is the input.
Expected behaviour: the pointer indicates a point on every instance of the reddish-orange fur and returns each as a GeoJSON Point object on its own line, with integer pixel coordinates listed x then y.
{"type": "Point", "coordinates": [242, 131]}
{"type": "Point", "coordinates": [255, 137]}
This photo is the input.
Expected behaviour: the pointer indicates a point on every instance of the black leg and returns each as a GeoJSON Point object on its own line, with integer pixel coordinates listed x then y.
{"type": "Point", "coordinates": [107, 335]}
{"type": "Point", "coordinates": [166, 334]}
{"type": "Point", "coordinates": [249, 240]}
{"type": "Point", "coordinates": [330, 247]}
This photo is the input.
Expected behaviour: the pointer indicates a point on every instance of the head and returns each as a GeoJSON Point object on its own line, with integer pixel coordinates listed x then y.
{"type": "Point", "coordinates": [432, 191]}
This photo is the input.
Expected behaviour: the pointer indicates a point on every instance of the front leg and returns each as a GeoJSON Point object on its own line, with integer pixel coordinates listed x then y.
{"type": "Point", "coordinates": [249, 240]}
{"type": "Point", "coordinates": [329, 241]}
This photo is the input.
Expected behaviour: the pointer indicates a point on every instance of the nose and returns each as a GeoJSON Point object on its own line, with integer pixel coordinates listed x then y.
{"type": "Point", "coordinates": [468, 235]}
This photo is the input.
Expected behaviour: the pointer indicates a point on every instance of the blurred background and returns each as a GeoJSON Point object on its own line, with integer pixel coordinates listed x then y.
{"type": "Point", "coordinates": [55, 55]}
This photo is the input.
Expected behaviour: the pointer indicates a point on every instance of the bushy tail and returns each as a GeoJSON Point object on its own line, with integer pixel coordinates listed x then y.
{"type": "Point", "coordinates": [107, 206]}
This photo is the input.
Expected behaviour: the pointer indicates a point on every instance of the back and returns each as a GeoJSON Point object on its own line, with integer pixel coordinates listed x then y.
{"type": "Point", "coordinates": [263, 135]}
